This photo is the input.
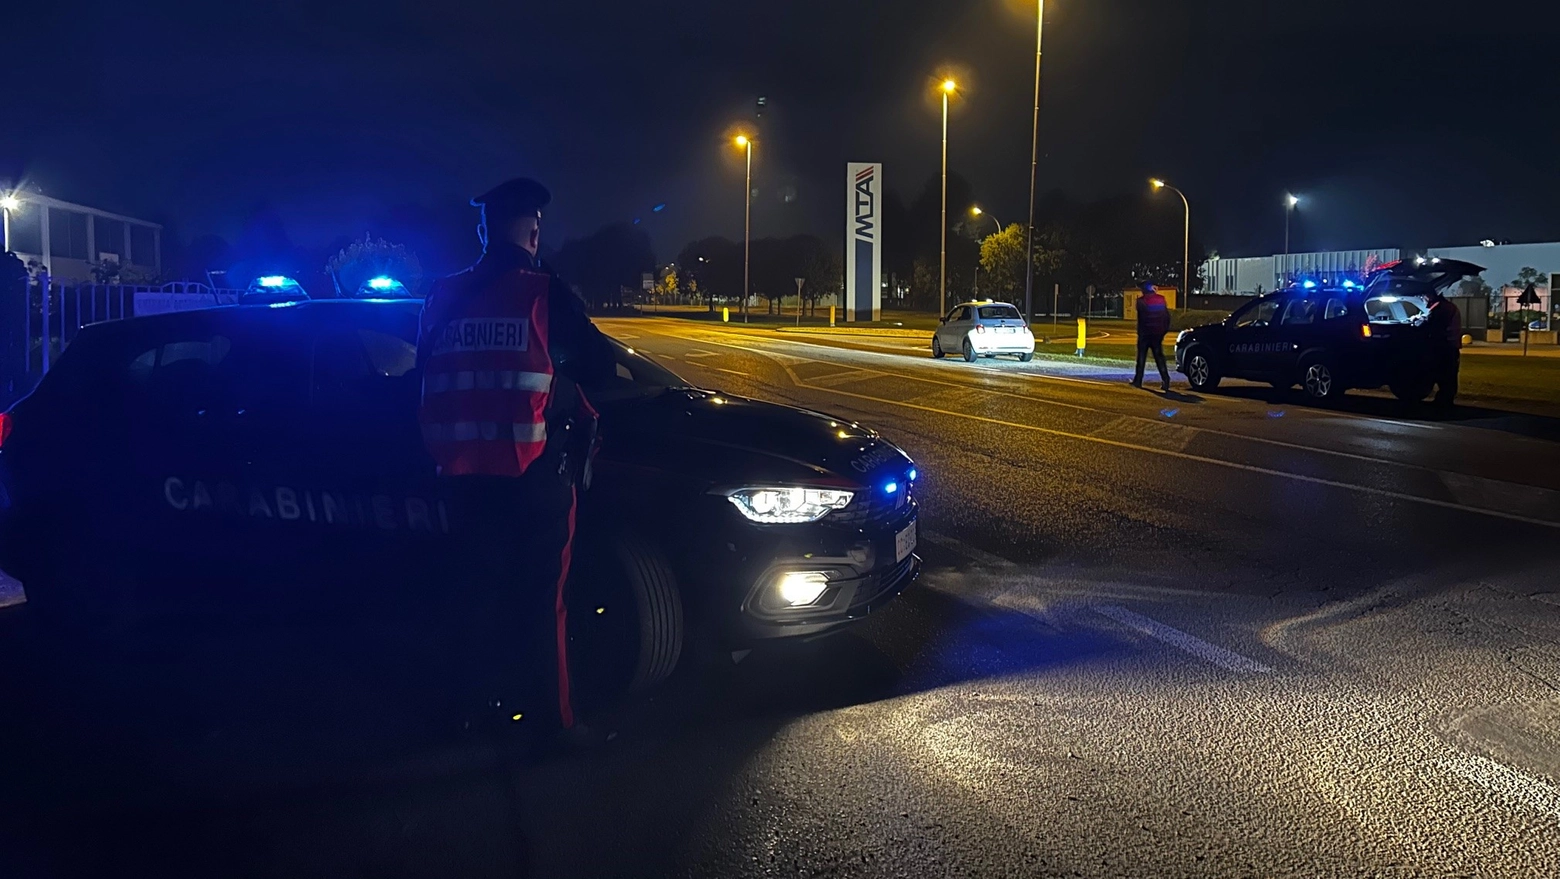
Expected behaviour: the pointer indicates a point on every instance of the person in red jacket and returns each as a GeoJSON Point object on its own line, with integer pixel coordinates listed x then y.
{"type": "Point", "coordinates": [1153, 321]}
{"type": "Point", "coordinates": [503, 346]}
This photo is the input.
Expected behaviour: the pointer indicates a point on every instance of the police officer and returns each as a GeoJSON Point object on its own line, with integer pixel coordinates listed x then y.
{"type": "Point", "coordinates": [503, 347]}
{"type": "Point", "coordinates": [1153, 321]}
{"type": "Point", "coordinates": [1445, 328]}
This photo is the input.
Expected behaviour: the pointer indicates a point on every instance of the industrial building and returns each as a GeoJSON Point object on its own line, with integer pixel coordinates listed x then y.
{"type": "Point", "coordinates": [1504, 265]}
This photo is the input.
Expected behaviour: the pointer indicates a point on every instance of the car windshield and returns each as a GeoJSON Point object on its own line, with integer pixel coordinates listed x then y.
{"type": "Point", "coordinates": [637, 376]}
{"type": "Point", "coordinates": [999, 312]}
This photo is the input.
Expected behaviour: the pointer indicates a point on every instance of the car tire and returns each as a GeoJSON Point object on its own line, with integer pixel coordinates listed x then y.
{"type": "Point", "coordinates": [969, 352]}
{"type": "Point", "coordinates": [1320, 380]}
{"type": "Point", "coordinates": [624, 570]}
{"type": "Point", "coordinates": [937, 351]}
{"type": "Point", "coordinates": [1199, 371]}
{"type": "Point", "coordinates": [1025, 358]}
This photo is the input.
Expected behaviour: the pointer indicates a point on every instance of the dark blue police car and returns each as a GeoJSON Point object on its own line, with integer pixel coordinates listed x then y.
{"type": "Point", "coordinates": [1328, 335]}
{"type": "Point", "coordinates": [251, 465]}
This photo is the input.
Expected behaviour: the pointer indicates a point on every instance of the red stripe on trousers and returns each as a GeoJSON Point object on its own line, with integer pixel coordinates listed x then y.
{"type": "Point", "coordinates": [561, 612]}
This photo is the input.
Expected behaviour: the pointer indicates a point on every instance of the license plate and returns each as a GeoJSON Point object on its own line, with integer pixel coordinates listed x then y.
{"type": "Point", "coordinates": [1004, 329]}
{"type": "Point", "coordinates": [904, 543]}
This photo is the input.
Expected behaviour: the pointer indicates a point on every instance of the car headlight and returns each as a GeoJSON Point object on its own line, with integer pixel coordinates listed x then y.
{"type": "Point", "coordinates": [788, 505]}
{"type": "Point", "coordinates": [1181, 336]}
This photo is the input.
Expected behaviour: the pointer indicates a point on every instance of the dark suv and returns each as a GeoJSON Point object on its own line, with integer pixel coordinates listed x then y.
{"type": "Point", "coordinates": [1327, 338]}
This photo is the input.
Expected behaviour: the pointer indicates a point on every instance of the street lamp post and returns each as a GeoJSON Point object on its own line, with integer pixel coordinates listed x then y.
{"type": "Point", "coordinates": [8, 203]}
{"type": "Point", "coordinates": [948, 88]}
{"type": "Point", "coordinates": [1034, 161]}
{"type": "Point", "coordinates": [1290, 200]}
{"type": "Point", "coordinates": [747, 220]}
{"type": "Point", "coordinates": [1186, 241]}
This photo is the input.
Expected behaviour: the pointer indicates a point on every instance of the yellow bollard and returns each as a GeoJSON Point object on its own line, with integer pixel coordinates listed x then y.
{"type": "Point", "coordinates": [831, 315]}
{"type": "Point", "coordinates": [725, 315]}
{"type": "Point", "coordinates": [1083, 335]}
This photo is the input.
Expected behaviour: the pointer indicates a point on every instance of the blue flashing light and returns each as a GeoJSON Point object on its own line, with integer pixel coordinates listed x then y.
{"type": "Point", "coordinates": [383, 282]}
{"type": "Point", "coordinates": [913, 474]}
{"type": "Point", "coordinates": [890, 488]}
{"type": "Point", "coordinates": [1309, 285]}
{"type": "Point", "coordinates": [1349, 285]}
{"type": "Point", "coordinates": [659, 208]}
{"type": "Point", "coordinates": [274, 281]}
{"type": "Point", "coordinates": [289, 303]}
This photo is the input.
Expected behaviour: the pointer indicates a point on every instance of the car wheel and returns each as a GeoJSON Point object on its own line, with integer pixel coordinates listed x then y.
{"type": "Point", "coordinates": [937, 351]}
{"type": "Point", "coordinates": [1321, 382]}
{"type": "Point", "coordinates": [1199, 371]}
{"type": "Point", "coordinates": [969, 352]}
{"type": "Point", "coordinates": [1025, 358]}
{"type": "Point", "coordinates": [627, 623]}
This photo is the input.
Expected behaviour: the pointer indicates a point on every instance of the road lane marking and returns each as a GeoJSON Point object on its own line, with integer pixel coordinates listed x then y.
{"type": "Point", "coordinates": [1211, 431]}
{"type": "Point", "coordinates": [1188, 456]}
{"type": "Point", "coordinates": [974, 554]}
{"type": "Point", "coordinates": [1505, 781]}
{"type": "Point", "coordinates": [698, 352]}
{"type": "Point", "coordinates": [1211, 653]}
{"type": "Point", "coordinates": [1182, 455]}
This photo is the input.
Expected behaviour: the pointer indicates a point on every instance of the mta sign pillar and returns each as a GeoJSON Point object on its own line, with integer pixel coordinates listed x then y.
{"type": "Point", "coordinates": [863, 241]}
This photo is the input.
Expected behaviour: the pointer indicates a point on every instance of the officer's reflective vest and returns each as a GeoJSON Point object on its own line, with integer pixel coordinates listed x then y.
{"type": "Point", "coordinates": [488, 376]}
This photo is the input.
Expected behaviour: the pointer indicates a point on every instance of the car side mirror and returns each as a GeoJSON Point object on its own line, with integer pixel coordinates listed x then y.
{"type": "Point", "coordinates": [943, 319]}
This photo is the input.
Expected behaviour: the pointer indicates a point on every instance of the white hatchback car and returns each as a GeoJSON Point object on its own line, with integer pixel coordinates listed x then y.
{"type": "Point", "coordinates": [983, 329]}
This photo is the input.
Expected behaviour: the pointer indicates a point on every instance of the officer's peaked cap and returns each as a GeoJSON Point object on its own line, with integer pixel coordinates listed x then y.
{"type": "Point", "coordinates": [517, 196]}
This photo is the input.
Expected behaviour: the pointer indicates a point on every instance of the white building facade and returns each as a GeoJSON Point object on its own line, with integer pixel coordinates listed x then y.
{"type": "Point", "coordinates": [67, 239]}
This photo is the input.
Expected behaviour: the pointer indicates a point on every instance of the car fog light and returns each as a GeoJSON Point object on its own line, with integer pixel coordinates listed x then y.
{"type": "Point", "coordinates": [801, 588]}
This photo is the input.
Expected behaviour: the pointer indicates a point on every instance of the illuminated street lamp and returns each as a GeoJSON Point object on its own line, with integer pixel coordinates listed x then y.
{"type": "Point", "coordinates": [8, 203]}
{"type": "Point", "coordinates": [1186, 240]}
{"type": "Point", "coordinates": [948, 87]}
{"type": "Point", "coordinates": [977, 212]}
{"type": "Point", "coordinates": [746, 143]}
{"type": "Point", "coordinates": [1290, 200]}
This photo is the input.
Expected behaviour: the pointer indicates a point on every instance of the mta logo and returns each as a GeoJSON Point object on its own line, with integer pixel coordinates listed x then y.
{"type": "Point", "coordinates": [866, 202]}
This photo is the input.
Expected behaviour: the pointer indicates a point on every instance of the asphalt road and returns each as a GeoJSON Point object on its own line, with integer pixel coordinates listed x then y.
{"type": "Point", "coordinates": [1157, 635]}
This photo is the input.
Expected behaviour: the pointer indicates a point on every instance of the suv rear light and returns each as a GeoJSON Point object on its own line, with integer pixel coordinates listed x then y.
{"type": "Point", "coordinates": [5, 426]}
{"type": "Point", "coordinates": [980, 328]}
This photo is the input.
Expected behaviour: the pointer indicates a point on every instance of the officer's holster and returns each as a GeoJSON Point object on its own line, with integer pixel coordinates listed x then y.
{"type": "Point", "coordinates": [571, 432]}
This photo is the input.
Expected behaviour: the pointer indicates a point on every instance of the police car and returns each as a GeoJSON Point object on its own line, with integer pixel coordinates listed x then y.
{"type": "Point", "coordinates": [1327, 335]}
{"type": "Point", "coordinates": [983, 328]}
{"type": "Point", "coordinates": [249, 462]}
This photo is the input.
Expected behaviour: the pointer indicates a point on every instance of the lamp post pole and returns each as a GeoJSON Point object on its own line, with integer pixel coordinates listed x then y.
{"type": "Point", "coordinates": [942, 284]}
{"type": "Point", "coordinates": [1034, 162]}
{"type": "Point", "coordinates": [747, 221]}
{"type": "Point", "coordinates": [1186, 240]}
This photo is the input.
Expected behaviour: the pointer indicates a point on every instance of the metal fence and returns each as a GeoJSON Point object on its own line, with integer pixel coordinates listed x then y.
{"type": "Point", "coordinates": [37, 326]}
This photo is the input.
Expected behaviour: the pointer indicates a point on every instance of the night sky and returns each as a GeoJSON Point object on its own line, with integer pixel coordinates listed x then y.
{"type": "Point", "coordinates": [1400, 123]}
